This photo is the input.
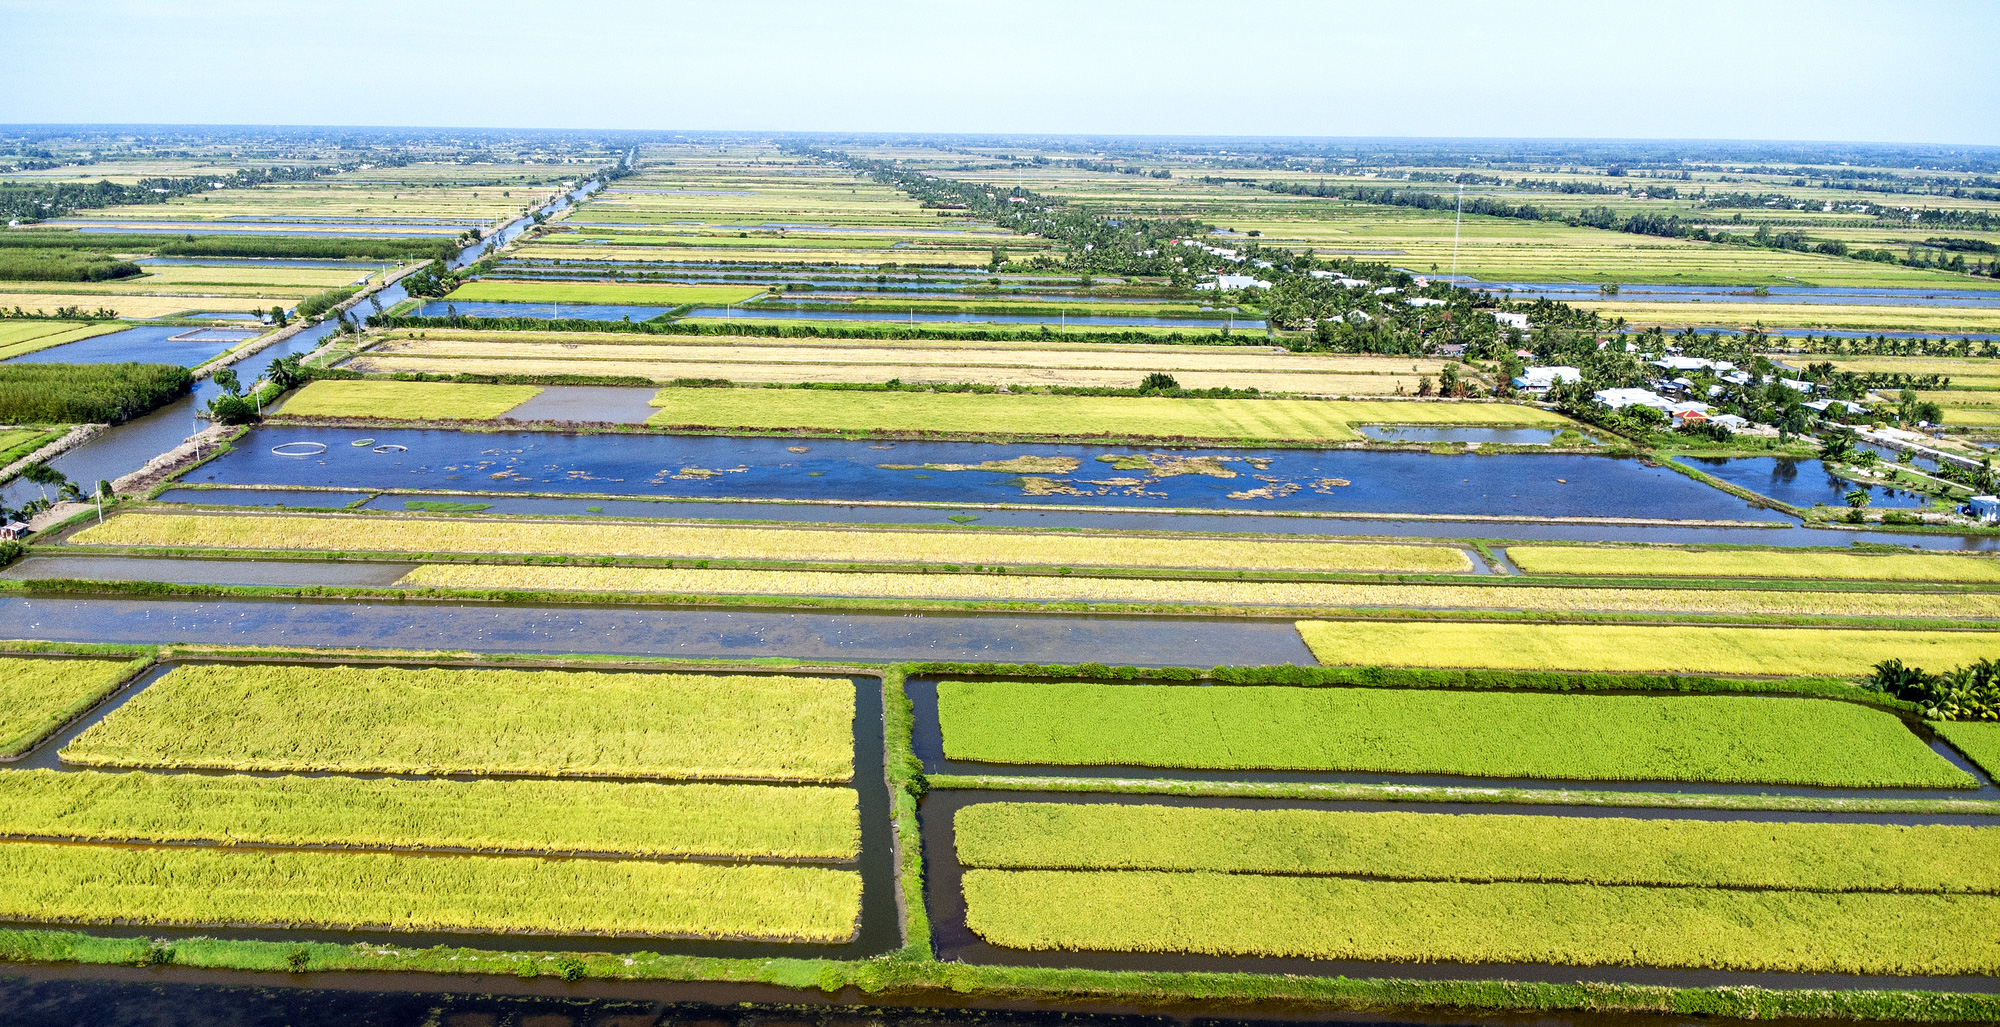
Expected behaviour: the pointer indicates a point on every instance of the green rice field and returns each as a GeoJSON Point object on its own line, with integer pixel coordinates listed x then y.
{"type": "Point", "coordinates": [487, 815]}
{"type": "Point", "coordinates": [443, 401]}
{"type": "Point", "coordinates": [1412, 921]}
{"type": "Point", "coordinates": [38, 696]}
{"type": "Point", "coordinates": [1481, 848]}
{"type": "Point", "coordinates": [443, 721]}
{"type": "Point", "coordinates": [1723, 739]}
{"type": "Point", "coordinates": [1978, 740]}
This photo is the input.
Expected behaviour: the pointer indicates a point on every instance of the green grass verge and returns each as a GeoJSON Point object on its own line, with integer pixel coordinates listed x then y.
{"type": "Point", "coordinates": [436, 720]}
{"type": "Point", "coordinates": [1482, 847]}
{"type": "Point", "coordinates": [39, 696]}
{"type": "Point", "coordinates": [443, 401]}
{"type": "Point", "coordinates": [1590, 925]}
{"type": "Point", "coordinates": [1638, 649]}
{"type": "Point", "coordinates": [1743, 739]}
{"type": "Point", "coordinates": [1647, 561]}
{"type": "Point", "coordinates": [193, 887]}
{"type": "Point", "coordinates": [489, 815]}
{"type": "Point", "coordinates": [1978, 740]}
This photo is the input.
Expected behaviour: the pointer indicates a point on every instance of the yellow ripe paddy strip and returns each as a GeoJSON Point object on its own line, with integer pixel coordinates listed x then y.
{"type": "Point", "coordinates": [1664, 649]}
{"type": "Point", "coordinates": [1481, 847]}
{"type": "Point", "coordinates": [1589, 925]}
{"type": "Point", "coordinates": [407, 400]}
{"type": "Point", "coordinates": [1270, 420]}
{"type": "Point", "coordinates": [1801, 315]}
{"type": "Point", "coordinates": [1647, 561]}
{"type": "Point", "coordinates": [38, 696]}
{"type": "Point", "coordinates": [444, 721]}
{"type": "Point", "coordinates": [833, 545]}
{"type": "Point", "coordinates": [977, 586]}
{"type": "Point", "coordinates": [628, 819]}
{"type": "Point", "coordinates": [196, 887]}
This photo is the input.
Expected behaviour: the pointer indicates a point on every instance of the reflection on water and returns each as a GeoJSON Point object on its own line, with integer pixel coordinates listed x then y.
{"type": "Point", "coordinates": [1801, 483]}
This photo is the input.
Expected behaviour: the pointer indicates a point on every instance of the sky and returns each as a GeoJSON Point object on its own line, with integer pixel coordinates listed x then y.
{"type": "Point", "coordinates": [1882, 71]}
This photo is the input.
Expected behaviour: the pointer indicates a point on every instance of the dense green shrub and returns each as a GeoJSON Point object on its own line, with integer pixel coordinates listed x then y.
{"type": "Point", "coordinates": [53, 265]}
{"type": "Point", "coordinates": [86, 393]}
{"type": "Point", "coordinates": [1963, 693]}
{"type": "Point", "coordinates": [314, 306]}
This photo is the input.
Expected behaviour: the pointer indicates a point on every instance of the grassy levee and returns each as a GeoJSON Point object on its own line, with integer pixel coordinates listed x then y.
{"type": "Point", "coordinates": [1297, 595]}
{"type": "Point", "coordinates": [39, 696]}
{"type": "Point", "coordinates": [193, 887]}
{"type": "Point", "coordinates": [437, 720]}
{"type": "Point", "coordinates": [1638, 649]}
{"type": "Point", "coordinates": [905, 773]}
{"type": "Point", "coordinates": [1978, 740]}
{"type": "Point", "coordinates": [1482, 847]}
{"type": "Point", "coordinates": [603, 292]}
{"type": "Point", "coordinates": [1250, 420]}
{"type": "Point", "coordinates": [1426, 921]}
{"type": "Point", "coordinates": [631, 819]}
{"type": "Point", "coordinates": [443, 401]}
{"type": "Point", "coordinates": [1647, 561]}
{"type": "Point", "coordinates": [1723, 739]}
{"type": "Point", "coordinates": [351, 533]}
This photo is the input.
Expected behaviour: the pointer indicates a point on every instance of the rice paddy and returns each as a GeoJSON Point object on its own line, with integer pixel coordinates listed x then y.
{"type": "Point", "coordinates": [626, 819]}
{"type": "Point", "coordinates": [1476, 734]}
{"type": "Point", "coordinates": [1816, 857]}
{"type": "Point", "coordinates": [597, 292]}
{"type": "Point", "coordinates": [447, 721]}
{"type": "Point", "coordinates": [1650, 561]}
{"type": "Point", "coordinates": [1979, 740]}
{"type": "Point", "coordinates": [325, 533]}
{"type": "Point", "coordinates": [20, 338]}
{"type": "Point", "coordinates": [193, 887]}
{"type": "Point", "coordinates": [407, 400]}
{"type": "Point", "coordinates": [1428, 921]}
{"type": "Point", "coordinates": [1636, 649]}
{"type": "Point", "coordinates": [38, 696]}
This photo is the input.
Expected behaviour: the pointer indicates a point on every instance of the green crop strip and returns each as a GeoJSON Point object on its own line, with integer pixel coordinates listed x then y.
{"type": "Point", "coordinates": [1482, 847]}
{"type": "Point", "coordinates": [1978, 740]}
{"type": "Point", "coordinates": [194, 887]}
{"type": "Point", "coordinates": [557, 723]}
{"type": "Point", "coordinates": [490, 815]}
{"type": "Point", "coordinates": [1743, 739]}
{"type": "Point", "coordinates": [426, 400]}
{"type": "Point", "coordinates": [1332, 918]}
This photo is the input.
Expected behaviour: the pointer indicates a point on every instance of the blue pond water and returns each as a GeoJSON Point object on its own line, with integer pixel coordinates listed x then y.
{"type": "Point", "coordinates": [920, 317]}
{"type": "Point", "coordinates": [1501, 436]}
{"type": "Point", "coordinates": [1799, 482]}
{"type": "Point", "coordinates": [583, 311]}
{"type": "Point", "coordinates": [146, 343]}
{"type": "Point", "coordinates": [1779, 294]}
{"type": "Point", "coordinates": [711, 467]}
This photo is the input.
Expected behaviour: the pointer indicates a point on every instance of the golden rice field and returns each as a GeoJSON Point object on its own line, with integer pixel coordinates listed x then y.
{"type": "Point", "coordinates": [1801, 315]}
{"type": "Point", "coordinates": [489, 815]}
{"type": "Point", "coordinates": [1074, 588]}
{"type": "Point", "coordinates": [38, 696]}
{"type": "Point", "coordinates": [473, 721]}
{"type": "Point", "coordinates": [827, 544]}
{"type": "Point", "coordinates": [195, 887]}
{"type": "Point", "coordinates": [134, 306]}
{"type": "Point", "coordinates": [1650, 561]}
{"type": "Point", "coordinates": [443, 401]}
{"type": "Point", "coordinates": [1666, 649]}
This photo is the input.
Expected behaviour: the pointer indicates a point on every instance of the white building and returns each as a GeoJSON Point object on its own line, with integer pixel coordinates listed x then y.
{"type": "Point", "coordinates": [1234, 282]}
{"type": "Point", "coordinates": [1423, 301]}
{"type": "Point", "coordinates": [1509, 319]}
{"type": "Point", "coordinates": [1540, 379]}
{"type": "Point", "coordinates": [1797, 386]}
{"type": "Point", "coordinates": [1619, 399]}
{"type": "Point", "coordinates": [1694, 364]}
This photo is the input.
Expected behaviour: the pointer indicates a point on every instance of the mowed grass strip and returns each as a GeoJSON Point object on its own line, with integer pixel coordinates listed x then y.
{"type": "Point", "coordinates": [194, 887]}
{"type": "Point", "coordinates": [602, 292]}
{"type": "Point", "coordinates": [445, 721]}
{"type": "Point", "coordinates": [1722, 739]}
{"type": "Point", "coordinates": [1481, 847]}
{"type": "Point", "coordinates": [1268, 420]}
{"type": "Point", "coordinates": [438, 401]}
{"type": "Point", "coordinates": [39, 696]}
{"type": "Point", "coordinates": [829, 544]}
{"type": "Point", "coordinates": [1978, 740]}
{"type": "Point", "coordinates": [1646, 561]}
{"type": "Point", "coordinates": [1587, 925]}
{"type": "Point", "coordinates": [987, 587]}
{"type": "Point", "coordinates": [1663, 649]}
{"type": "Point", "coordinates": [634, 819]}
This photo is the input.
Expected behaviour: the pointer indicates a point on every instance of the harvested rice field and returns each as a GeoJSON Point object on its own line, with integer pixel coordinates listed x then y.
{"type": "Point", "coordinates": [1648, 561]}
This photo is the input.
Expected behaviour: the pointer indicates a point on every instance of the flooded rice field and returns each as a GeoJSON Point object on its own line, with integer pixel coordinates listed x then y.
{"type": "Point", "coordinates": [718, 467]}
{"type": "Point", "coordinates": [151, 344]}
